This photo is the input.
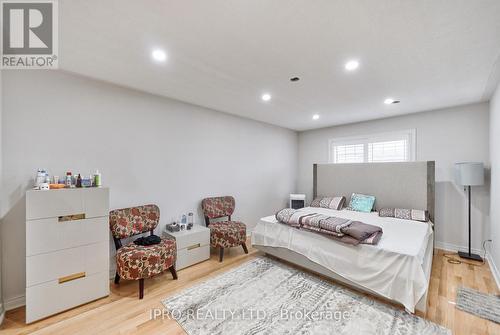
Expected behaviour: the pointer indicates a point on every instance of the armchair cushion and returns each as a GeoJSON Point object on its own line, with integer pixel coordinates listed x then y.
{"type": "Point", "coordinates": [138, 262]}
{"type": "Point", "coordinates": [227, 234]}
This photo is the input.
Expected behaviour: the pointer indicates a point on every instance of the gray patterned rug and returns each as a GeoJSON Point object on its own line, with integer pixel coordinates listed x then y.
{"type": "Point", "coordinates": [486, 306]}
{"type": "Point", "coordinates": [265, 296]}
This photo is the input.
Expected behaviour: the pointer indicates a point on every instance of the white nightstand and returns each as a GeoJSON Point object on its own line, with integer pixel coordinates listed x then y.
{"type": "Point", "coordinates": [193, 246]}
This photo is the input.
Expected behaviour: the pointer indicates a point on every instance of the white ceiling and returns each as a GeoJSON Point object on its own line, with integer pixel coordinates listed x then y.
{"type": "Point", "coordinates": [224, 54]}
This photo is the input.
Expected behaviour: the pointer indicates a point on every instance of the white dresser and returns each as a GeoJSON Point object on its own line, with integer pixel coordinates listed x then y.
{"type": "Point", "coordinates": [193, 246]}
{"type": "Point", "coordinates": [67, 249]}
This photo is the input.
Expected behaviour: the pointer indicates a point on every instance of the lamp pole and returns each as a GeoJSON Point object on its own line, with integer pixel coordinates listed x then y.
{"type": "Point", "coordinates": [470, 254]}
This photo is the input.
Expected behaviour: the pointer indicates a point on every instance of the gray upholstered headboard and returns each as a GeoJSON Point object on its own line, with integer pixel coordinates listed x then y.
{"type": "Point", "coordinates": [398, 185]}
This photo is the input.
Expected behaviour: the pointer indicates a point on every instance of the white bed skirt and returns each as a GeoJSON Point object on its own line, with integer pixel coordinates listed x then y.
{"type": "Point", "coordinates": [400, 278]}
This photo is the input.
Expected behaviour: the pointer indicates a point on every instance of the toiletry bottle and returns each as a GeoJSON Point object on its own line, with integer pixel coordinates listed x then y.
{"type": "Point", "coordinates": [79, 181]}
{"type": "Point", "coordinates": [68, 179]}
{"type": "Point", "coordinates": [40, 178]}
{"type": "Point", "coordinates": [97, 179]}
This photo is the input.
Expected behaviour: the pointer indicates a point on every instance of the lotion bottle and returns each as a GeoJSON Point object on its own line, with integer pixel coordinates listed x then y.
{"type": "Point", "coordinates": [97, 179]}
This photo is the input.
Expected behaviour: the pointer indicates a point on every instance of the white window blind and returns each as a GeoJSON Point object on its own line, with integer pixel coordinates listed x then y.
{"type": "Point", "coordinates": [349, 153]}
{"type": "Point", "coordinates": [388, 147]}
{"type": "Point", "coordinates": [388, 151]}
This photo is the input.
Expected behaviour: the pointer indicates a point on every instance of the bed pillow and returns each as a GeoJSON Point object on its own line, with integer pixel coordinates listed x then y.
{"type": "Point", "coordinates": [315, 202]}
{"type": "Point", "coordinates": [386, 212]}
{"type": "Point", "coordinates": [361, 202]}
{"type": "Point", "coordinates": [329, 202]}
{"type": "Point", "coordinates": [405, 214]}
{"type": "Point", "coordinates": [420, 215]}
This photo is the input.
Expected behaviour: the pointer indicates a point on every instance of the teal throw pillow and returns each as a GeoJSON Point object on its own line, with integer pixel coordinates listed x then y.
{"type": "Point", "coordinates": [362, 203]}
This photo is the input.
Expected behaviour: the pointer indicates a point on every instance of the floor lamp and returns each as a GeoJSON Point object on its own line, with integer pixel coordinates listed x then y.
{"type": "Point", "coordinates": [470, 174]}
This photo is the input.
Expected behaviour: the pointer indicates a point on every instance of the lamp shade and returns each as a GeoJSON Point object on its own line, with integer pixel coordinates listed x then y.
{"type": "Point", "coordinates": [469, 173]}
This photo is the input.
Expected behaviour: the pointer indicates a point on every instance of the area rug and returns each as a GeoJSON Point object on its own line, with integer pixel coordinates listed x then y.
{"type": "Point", "coordinates": [265, 296]}
{"type": "Point", "coordinates": [486, 306]}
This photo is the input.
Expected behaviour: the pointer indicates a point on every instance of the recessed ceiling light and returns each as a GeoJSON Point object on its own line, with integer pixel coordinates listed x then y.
{"type": "Point", "coordinates": [351, 65]}
{"type": "Point", "coordinates": [266, 97]}
{"type": "Point", "coordinates": [315, 116]}
{"type": "Point", "coordinates": [159, 55]}
{"type": "Point", "coordinates": [388, 101]}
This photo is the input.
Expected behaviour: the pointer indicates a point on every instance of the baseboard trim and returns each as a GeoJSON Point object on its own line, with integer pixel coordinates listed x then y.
{"type": "Point", "coordinates": [453, 247]}
{"type": "Point", "coordinates": [15, 302]}
{"type": "Point", "coordinates": [494, 270]}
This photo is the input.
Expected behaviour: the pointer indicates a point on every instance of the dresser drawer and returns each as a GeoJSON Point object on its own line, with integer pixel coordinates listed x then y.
{"type": "Point", "coordinates": [189, 256]}
{"type": "Point", "coordinates": [188, 238]}
{"type": "Point", "coordinates": [96, 201]}
{"type": "Point", "coordinates": [51, 297]}
{"type": "Point", "coordinates": [92, 202]}
{"type": "Point", "coordinates": [47, 235]}
{"type": "Point", "coordinates": [88, 259]}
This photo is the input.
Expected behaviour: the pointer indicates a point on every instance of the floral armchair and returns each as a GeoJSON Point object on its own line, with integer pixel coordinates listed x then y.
{"type": "Point", "coordinates": [223, 234]}
{"type": "Point", "coordinates": [137, 262]}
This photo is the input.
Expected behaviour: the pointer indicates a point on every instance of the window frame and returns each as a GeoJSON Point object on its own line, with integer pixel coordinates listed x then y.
{"type": "Point", "coordinates": [410, 134]}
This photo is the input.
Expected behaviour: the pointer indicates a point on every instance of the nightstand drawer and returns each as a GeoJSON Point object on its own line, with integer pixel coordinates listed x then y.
{"type": "Point", "coordinates": [192, 255]}
{"type": "Point", "coordinates": [188, 238]}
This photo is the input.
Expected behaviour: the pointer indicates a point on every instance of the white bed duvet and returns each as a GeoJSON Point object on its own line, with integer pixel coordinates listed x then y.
{"type": "Point", "coordinates": [395, 268]}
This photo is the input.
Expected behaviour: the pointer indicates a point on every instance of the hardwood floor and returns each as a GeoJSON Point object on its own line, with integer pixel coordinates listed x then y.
{"type": "Point", "coordinates": [123, 313]}
{"type": "Point", "coordinates": [446, 278]}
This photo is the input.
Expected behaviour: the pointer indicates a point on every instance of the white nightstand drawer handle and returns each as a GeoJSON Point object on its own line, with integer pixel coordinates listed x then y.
{"type": "Point", "coordinates": [194, 246]}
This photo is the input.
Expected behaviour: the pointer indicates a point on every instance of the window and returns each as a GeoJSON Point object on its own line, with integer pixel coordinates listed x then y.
{"type": "Point", "coordinates": [396, 146]}
{"type": "Point", "coordinates": [349, 153]}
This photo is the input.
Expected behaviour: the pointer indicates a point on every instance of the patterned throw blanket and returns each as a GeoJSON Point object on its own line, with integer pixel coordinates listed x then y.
{"type": "Point", "coordinates": [344, 230]}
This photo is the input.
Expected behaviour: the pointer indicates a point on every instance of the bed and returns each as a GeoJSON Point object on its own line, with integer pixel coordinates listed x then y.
{"type": "Point", "coordinates": [398, 267]}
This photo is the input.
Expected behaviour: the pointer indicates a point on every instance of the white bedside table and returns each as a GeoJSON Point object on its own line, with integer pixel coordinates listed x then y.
{"type": "Point", "coordinates": [193, 246]}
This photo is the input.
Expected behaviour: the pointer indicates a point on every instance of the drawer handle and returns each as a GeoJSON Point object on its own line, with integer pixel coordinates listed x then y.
{"type": "Point", "coordinates": [73, 217]}
{"type": "Point", "coordinates": [194, 246]}
{"type": "Point", "coordinates": [71, 277]}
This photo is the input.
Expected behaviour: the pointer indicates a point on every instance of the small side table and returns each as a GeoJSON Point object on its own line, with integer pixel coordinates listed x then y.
{"type": "Point", "coordinates": [193, 246]}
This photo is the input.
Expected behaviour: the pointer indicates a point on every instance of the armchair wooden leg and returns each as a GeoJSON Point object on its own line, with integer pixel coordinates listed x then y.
{"type": "Point", "coordinates": [117, 279]}
{"type": "Point", "coordinates": [244, 247]}
{"type": "Point", "coordinates": [221, 254]}
{"type": "Point", "coordinates": [141, 288]}
{"type": "Point", "coordinates": [173, 272]}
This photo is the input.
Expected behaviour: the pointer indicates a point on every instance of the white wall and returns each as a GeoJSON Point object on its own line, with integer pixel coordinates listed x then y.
{"type": "Point", "coordinates": [153, 149]}
{"type": "Point", "coordinates": [446, 136]}
{"type": "Point", "coordinates": [149, 149]}
{"type": "Point", "coordinates": [495, 183]}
